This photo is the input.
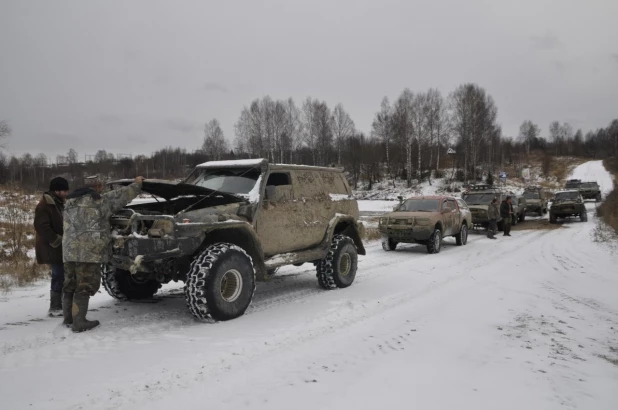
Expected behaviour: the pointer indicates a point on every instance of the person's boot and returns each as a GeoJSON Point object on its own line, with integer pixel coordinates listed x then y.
{"type": "Point", "coordinates": [55, 304]}
{"type": "Point", "coordinates": [67, 307]}
{"type": "Point", "coordinates": [80, 308]}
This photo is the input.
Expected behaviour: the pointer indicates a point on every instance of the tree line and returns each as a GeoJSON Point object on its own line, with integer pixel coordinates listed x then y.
{"type": "Point", "coordinates": [409, 140]}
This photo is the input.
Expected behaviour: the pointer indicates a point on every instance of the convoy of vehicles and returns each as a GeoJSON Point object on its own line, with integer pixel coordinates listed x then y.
{"type": "Point", "coordinates": [587, 189]}
{"type": "Point", "coordinates": [232, 223]}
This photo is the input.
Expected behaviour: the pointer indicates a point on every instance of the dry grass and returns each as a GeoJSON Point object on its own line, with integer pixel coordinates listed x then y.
{"type": "Point", "coordinates": [608, 210]}
{"type": "Point", "coordinates": [17, 238]}
{"type": "Point", "coordinates": [372, 234]}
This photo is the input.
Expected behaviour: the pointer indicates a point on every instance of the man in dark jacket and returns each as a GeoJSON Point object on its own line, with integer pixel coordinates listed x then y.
{"type": "Point", "coordinates": [87, 243]}
{"type": "Point", "coordinates": [49, 230]}
{"type": "Point", "coordinates": [492, 214]}
{"type": "Point", "coordinates": [506, 213]}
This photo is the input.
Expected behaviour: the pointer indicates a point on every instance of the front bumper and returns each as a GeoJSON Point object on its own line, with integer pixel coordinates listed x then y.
{"type": "Point", "coordinates": [566, 210]}
{"type": "Point", "coordinates": [142, 254]}
{"type": "Point", "coordinates": [406, 233]}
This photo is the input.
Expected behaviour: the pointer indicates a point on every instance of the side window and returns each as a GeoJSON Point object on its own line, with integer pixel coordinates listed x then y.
{"type": "Point", "coordinates": [445, 205]}
{"type": "Point", "coordinates": [452, 205]}
{"type": "Point", "coordinates": [279, 179]}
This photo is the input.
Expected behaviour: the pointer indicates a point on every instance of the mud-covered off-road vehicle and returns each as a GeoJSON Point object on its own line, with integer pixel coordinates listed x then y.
{"type": "Point", "coordinates": [426, 220]}
{"type": "Point", "coordinates": [478, 198]}
{"type": "Point", "coordinates": [229, 224]}
{"type": "Point", "coordinates": [536, 199]}
{"type": "Point", "coordinates": [566, 204]}
{"type": "Point", "coordinates": [590, 190]}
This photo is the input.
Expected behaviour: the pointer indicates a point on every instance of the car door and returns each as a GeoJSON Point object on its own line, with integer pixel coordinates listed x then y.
{"type": "Point", "coordinates": [278, 223]}
{"type": "Point", "coordinates": [455, 220]}
{"type": "Point", "coordinates": [464, 212]}
{"type": "Point", "coordinates": [446, 218]}
{"type": "Point", "coordinates": [311, 193]}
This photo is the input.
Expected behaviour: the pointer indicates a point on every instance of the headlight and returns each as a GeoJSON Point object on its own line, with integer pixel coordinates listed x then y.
{"type": "Point", "coordinates": [383, 221]}
{"type": "Point", "coordinates": [422, 221]}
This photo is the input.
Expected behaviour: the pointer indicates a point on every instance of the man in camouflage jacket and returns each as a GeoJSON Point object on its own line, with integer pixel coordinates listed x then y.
{"type": "Point", "coordinates": [87, 245]}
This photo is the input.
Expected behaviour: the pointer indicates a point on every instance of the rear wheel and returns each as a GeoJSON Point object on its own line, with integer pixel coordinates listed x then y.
{"type": "Point", "coordinates": [462, 237]}
{"type": "Point", "coordinates": [122, 285]}
{"type": "Point", "coordinates": [389, 244]}
{"type": "Point", "coordinates": [583, 217]}
{"type": "Point", "coordinates": [338, 268]}
{"type": "Point", "coordinates": [434, 244]}
{"type": "Point", "coordinates": [220, 283]}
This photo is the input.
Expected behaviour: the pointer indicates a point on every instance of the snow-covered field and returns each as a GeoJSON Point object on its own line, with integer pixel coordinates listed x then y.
{"type": "Point", "coordinates": [526, 322]}
{"type": "Point", "coordinates": [595, 171]}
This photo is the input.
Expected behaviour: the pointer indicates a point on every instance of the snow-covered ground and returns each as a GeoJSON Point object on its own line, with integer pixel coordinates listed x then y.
{"type": "Point", "coordinates": [526, 322]}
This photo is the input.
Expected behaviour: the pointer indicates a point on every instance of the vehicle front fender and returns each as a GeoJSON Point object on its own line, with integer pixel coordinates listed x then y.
{"type": "Point", "coordinates": [348, 226]}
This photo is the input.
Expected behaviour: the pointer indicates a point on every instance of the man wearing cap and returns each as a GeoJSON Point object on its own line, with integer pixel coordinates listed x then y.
{"type": "Point", "coordinates": [87, 244]}
{"type": "Point", "coordinates": [48, 245]}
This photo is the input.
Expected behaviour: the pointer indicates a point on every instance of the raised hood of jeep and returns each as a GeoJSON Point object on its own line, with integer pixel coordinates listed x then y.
{"type": "Point", "coordinates": [169, 190]}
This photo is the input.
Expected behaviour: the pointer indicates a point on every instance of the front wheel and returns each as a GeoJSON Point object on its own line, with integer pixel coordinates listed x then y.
{"type": "Point", "coordinates": [122, 285]}
{"type": "Point", "coordinates": [522, 217]}
{"type": "Point", "coordinates": [434, 244]}
{"type": "Point", "coordinates": [462, 237]}
{"type": "Point", "coordinates": [338, 268]}
{"type": "Point", "coordinates": [552, 218]}
{"type": "Point", "coordinates": [220, 283]}
{"type": "Point", "coordinates": [583, 217]}
{"type": "Point", "coordinates": [388, 244]}
{"type": "Point", "coordinates": [598, 198]}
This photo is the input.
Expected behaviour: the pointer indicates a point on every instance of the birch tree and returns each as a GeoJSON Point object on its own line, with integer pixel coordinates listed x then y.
{"type": "Point", "coordinates": [528, 132]}
{"type": "Point", "coordinates": [342, 128]}
{"type": "Point", "coordinates": [214, 140]}
{"type": "Point", "coordinates": [382, 128]}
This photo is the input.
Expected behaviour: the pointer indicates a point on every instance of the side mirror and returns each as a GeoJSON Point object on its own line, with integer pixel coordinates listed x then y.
{"type": "Point", "coordinates": [400, 198]}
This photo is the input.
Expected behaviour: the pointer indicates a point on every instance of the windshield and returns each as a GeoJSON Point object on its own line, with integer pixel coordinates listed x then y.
{"type": "Point", "coordinates": [532, 195]}
{"type": "Point", "coordinates": [478, 199]}
{"type": "Point", "coordinates": [592, 185]}
{"type": "Point", "coordinates": [561, 196]}
{"type": "Point", "coordinates": [233, 181]}
{"type": "Point", "coordinates": [420, 205]}
{"type": "Point", "coordinates": [572, 184]}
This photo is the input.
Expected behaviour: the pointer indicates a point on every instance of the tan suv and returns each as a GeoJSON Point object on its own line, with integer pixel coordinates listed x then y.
{"type": "Point", "coordinates": [229, 224]}
{"type": "Point", "coordinates": [426, 220]}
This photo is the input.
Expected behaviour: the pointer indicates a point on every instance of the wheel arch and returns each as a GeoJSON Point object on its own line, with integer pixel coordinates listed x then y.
{"type": "Point", "coordinates": [346, 225]}
{"type": "Point", "coordinates": [243, 236]}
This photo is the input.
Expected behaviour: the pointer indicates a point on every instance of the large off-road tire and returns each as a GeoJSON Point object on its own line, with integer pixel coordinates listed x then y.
{"type": "Point", "coordinates": [552, 218]}
{"type": "Point", "coordinates": [388, 244]}
{"type": "Point", "coordinates": [434, 244]}
{"type": "Point", "coordinates": [338, 268]}
{"type": "Point", "coordinates": [122, 285]}
{"type": "Point", "coordinates": [462, 237]}
{"type": "Point", "coordinates": [220, 283]}
{"type": "Point", "coordinates": [583, 217]}
{"type": "Point", "coordinates": [598, 197]}
{"type": "Point", "coordinates": [522, 216]}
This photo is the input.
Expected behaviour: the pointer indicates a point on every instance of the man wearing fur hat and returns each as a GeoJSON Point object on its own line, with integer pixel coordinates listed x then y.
{"type": "Point", "coordinates": [49, 230]}
{"type": "Point", "coordinates": [87, 244]}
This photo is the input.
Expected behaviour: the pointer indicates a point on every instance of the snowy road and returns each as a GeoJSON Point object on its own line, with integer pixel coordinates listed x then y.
{"type": "Point", "coordinates": [529, 322]}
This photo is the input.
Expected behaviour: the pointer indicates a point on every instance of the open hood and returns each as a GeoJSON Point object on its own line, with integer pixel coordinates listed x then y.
{"type": "Point", "coordinates": [169, 190]}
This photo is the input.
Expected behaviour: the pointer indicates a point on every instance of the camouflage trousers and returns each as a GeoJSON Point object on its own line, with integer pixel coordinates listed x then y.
{"type": "Point", "coordinates": [84, 278]}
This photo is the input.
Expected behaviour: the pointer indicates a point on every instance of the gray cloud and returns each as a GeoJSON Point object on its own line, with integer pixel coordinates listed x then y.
{"type": "Point", "coordinates": [183, 126]}
{"type": "Point", "coordinates": [615, 57]}
{"type": "Point", "coordinates": [215, 87]}
{"type": "Point", "coordinates": [548, 41]}
{"type": "Point", "coordinates": [110, 119]}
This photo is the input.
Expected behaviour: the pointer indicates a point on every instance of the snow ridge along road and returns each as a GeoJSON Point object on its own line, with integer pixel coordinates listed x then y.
{"type": "Point", "coordinates": [529, 322]}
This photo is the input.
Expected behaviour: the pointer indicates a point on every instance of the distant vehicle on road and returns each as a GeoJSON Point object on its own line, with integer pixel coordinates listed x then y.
{"type": "Point", "coordinates": [426, 220]}
{"type": "Point", "coordinates": [536, 199]}
{"type": "Point", "coordinates": [478, 198]}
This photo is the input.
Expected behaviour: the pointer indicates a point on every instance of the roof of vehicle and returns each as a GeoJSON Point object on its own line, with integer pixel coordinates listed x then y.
{"type": "Point", "coordinates": [567, 190]}
{"type": "Point", "coordinates": [260, 162]}
{"type": "Point", "coordinates": [432, 197]}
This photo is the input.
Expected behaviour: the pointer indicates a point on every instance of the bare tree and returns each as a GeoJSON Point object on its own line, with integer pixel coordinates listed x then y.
{"type": "Point", "coordinates": [214, 140]}
{"type": "Point", "coordinates": [5, 131]}
{"type": "Point", "coordinates": [382, 128]}
{"type": "Point", "coordinates": [529, 132]}
{"type": "Point", "coordinates": [402, 127]}
{"type": "Point", "coordinates": [342, 128]}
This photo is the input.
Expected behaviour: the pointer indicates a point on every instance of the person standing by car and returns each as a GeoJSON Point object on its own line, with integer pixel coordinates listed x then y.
{"type": "Point", "coordinates": [48, 238]}
{"type": "Point", "coordinates": [492, 214]}
{"type": "Point", "coordinates": [506, 213]}
{"type": "Point", "coordinates": [87, 244]}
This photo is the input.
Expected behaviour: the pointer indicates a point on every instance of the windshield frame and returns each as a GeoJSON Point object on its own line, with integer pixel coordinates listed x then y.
{"type": "Point", "coordinates": [567, 196]}
{"type": "Point", "coordinates": [479, 194]}
{"type": "Point", "coordinates": [437, 202]}
{"type": "Point", "coordinates": [200, 174]}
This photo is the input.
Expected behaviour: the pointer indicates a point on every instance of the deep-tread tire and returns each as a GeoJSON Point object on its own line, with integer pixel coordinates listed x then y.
{"type": "Point", "coordinates": [206, 274]}
{"type": "Point", "coordinates": [462, 237]}
{"type": "Point", "coordinates": [121, 286]}
{"type": "Point", "coordinates": [434, 244]}
{"type": "Point", "coordinates": [388, 244]}
{"type": "Point", "coordinates": [329, 272]}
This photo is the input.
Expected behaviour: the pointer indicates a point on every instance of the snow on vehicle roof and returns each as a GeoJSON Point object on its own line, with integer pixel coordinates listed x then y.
{"type": "Point", "coordinates": [567, 190]}
{"type": "Point", "coordinates": [235, 163]}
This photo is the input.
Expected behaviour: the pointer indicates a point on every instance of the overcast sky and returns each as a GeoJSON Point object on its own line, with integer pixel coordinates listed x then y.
{"type": "Point", "coordinates": [134, 76]}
